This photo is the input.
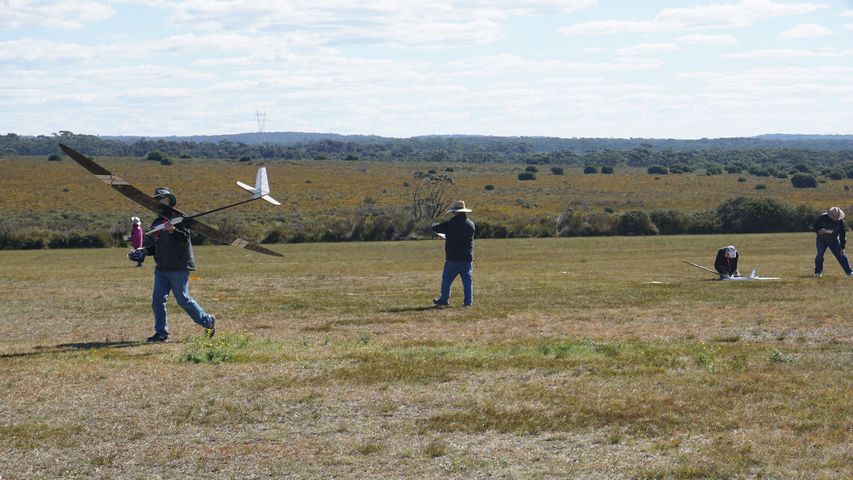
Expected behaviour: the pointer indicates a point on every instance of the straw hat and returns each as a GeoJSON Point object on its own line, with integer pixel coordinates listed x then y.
{"type": "Point", "coordinates": [458, 207]}
{"type": "Point", "coordinates": [836, 214]}
{"type": "Point", "coordinates": [162, 192]}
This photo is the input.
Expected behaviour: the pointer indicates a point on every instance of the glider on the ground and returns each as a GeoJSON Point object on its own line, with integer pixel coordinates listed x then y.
{"type": "Point", "coordinates": [752, 276]}
{"type": "Point", "coordinates": [260, 191]}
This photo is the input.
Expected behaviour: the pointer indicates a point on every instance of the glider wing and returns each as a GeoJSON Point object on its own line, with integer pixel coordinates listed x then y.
{"type": "Point", "coordinates": [150, 203]}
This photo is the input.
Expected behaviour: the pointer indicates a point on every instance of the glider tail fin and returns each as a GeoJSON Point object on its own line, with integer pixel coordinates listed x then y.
{"type": "Point", "coordinates": [261, 188]}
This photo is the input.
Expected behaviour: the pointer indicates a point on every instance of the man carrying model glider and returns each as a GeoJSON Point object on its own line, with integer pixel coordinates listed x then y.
{"type": "Point", "coordinates": [173, 254]}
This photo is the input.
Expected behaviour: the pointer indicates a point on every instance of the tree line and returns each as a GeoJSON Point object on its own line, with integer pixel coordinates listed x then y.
{"type": "Point", "coordinates": [683, 155]}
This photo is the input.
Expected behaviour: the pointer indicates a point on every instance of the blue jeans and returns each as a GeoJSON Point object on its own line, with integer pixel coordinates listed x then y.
{"type": "Point", "coordinates": [451, 270]}
{"type": "Point", "coordinates": [836, 250]}
{"type": "Point", "coordinates": [178, 283]}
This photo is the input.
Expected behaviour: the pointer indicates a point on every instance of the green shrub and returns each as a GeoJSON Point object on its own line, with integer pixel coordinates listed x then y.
{"type": "Point", "coordinates": [636, 222]}
{"type": "Point", "coordinates": [804, 180]}
{"type": "Point", "coordinates": [531, 168]}
{"type": "Point", "coordinates": [523, 176]}
{"type": "Point", "coordinates": [671, 222]}
{"type": "Point", "coordinates": [607, 169]}
{"type": "Point", "coordinates": [54, 158]}
{"type": "Point", "coordinates": [590, 170]}
{"type": "Point", "coordinates": [489, 187]}
{"type": "Point", "coordinates": [156, 156]}
{"type": "Point", "coordinates": [557, 170]}
{"type": "Point", "coordinates": [219, 349]}
{"type": "Point", "coordinates": [657, 170]}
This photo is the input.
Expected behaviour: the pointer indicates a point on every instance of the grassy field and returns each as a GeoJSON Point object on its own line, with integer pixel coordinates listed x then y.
{"type": "Point", "coordinates": [328, 363]}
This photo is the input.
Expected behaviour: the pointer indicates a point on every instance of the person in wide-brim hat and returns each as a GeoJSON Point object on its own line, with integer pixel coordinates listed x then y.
{"type": "Point", "coordinates": [459, 207]}
{"type": "Point", "coordinates": [458, 233]}
{"type": "Point", "coordinates": [161, 193]}
{"type": "Point", "coordinates": [832, 234]}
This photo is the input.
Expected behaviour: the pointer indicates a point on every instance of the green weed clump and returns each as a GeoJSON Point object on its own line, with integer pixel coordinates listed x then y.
{"type": "Point", "coordinates": [219, 349]}
{"type": "Point", "coordinates": [777, 356]}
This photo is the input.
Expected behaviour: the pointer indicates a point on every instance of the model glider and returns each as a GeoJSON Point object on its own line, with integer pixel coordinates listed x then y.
{"type": "Point", "coordinates": [752, 276]}
{"type": "Point", "coordinates": [261, 190]}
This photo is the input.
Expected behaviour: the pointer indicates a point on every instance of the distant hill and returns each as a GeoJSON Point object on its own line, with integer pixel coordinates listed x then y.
{"type": "Point", "coordinates": [258, 138]}
{"type": "Point", "coordinates": [536, 144]}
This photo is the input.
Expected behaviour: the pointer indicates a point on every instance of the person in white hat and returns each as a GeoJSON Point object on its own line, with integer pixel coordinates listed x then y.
{"type": "Point", "coordinates": [831, 234]}
{"type": "Point", "coordinates": [726, 261]}
{"type": "Point", "coordinates": [136, 238]}
{"type": "Point", "coordinates": [458, 235]}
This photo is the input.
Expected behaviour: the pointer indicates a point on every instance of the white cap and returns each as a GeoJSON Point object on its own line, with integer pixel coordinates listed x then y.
{"type": "Point", "coordinates": [731, 251]}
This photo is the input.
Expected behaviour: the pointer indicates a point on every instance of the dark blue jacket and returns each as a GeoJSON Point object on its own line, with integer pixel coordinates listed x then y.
{"type": "Point", "coordinates": [172, 251]}
{"type": "Point", "coordinates": [724, 265]}
{"type": "Point", "coordinates": [830, 231]}
{"type": "Point", "coordinates": [459, 241]}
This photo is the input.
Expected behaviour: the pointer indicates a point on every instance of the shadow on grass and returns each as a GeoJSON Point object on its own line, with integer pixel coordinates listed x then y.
{"type": "Point", "coordinates": [72, 347]}
{"type": "Point", "coordinates": [411, 309]}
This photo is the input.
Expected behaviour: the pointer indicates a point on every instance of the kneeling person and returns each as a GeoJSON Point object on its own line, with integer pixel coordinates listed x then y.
{"type": "Point", "coordinates": [726, 262]}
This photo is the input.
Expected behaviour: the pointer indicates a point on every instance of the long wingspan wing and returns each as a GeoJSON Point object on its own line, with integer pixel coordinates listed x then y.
{"type": "Point", "coordinates": [227, 238]}
{"type": "Point", "coordinates": [118, 183]}
{"type": "Point", "coordinates": [150, 203]}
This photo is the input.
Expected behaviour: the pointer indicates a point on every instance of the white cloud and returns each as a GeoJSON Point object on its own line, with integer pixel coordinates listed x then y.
{"type": "Point", "coordinates": [65, 14]}
{"type": "Point", "coordinates": [648, 48]}
{"type": "Point", "coordinates": [740, 14]}
{"type": "Point", "coordinates": [847, 13]}
{"type": "Point", "coordinates": [848, 26]}
{"type": "Point", "coordinates": [806, 30]}
{"type": "Point", "coordinates": [777, 53]}
{"type": "Point", "coordinates": [418, 23]}
{"type": "Point", "coordinates": [710, 40]}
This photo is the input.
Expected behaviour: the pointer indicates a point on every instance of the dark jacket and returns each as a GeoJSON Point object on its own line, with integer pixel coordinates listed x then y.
{"type": "Point", "coordinates": [172, 251]}
{"type": "Point", "coordinates": [724, 265]}
{"type": "Point", "coordinates": [459, 241]}
{"type": "Point", "coordinates": [830, 231]}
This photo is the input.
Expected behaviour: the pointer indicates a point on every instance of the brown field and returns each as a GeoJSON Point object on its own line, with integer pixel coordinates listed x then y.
{"type": "Point", "coordinates": [328, 363]}
{"type": "Point", "coordinates": [316, 190]}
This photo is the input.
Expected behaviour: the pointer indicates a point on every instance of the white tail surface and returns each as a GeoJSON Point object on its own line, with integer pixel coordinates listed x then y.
{"type": "Point", "coordinates": [261, 188]}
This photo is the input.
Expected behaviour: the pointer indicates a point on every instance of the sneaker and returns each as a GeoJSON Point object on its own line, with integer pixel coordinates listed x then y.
{"type": "Point", "coordinates": [818, 275]}
{"type": "Point", "coordinates": [439, 304]}
{"type": "Point", "coordinates": [210, 331]}
{"type": "Point", "coordinates": [158, 338]}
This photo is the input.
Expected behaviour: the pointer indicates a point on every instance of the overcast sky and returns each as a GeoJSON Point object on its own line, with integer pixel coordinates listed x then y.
{"type": "Point", "coordinates": [567, 68]}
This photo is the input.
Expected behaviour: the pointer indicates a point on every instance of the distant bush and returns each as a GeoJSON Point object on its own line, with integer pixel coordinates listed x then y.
{"type": "Point", "coordinates": [756, 215]}
{"type": "Point", "coordinates": [733, 169]}
{"type": "Point", "coordinates": [526, 176]}
{"type": "Point", "coordinates": [54, 158]}
{"type": "Point", "coordinates": [741, 180]}
{"type": "Point", "coordinates": [557, 170]}
{"type": "Point", "coordinates": [448, 169]}
{"type": "Point", "coordinates": [804, 180]}
{"type": "Point", "coordinates": [607, 169]}
{"type": "Point", "coordinates": [531, 168]}
{"type": "Point", "coordinates": [636, 222]}
{"type": "Point", "coordinates": [590, 170]}
{"type": "Point", "coordinates": [761, 186]}
{"type": "Point", "coordinates": [671, 222]}
{"type": "Point", "coordinates": [657, 170]}
{"type": "Point", "coordinates": [836, 175]}
{"type": "Point", "coordinates": [245, 158]}
{"type": "Point", "coordinates": [781, 175]}
{"type": "Point", "coordinates": [156, 156]}
{"type": "Point", "coordinates": [713, 170]}
{"type": "Point", "coordinates": [489, 187]}
{"type": "Point", "coordinates": [166, 161]}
